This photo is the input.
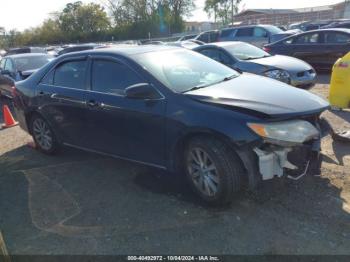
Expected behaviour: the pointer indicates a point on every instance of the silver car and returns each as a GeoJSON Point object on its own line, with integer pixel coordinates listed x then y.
{"type": "Point", "coordinates": [248, 58]}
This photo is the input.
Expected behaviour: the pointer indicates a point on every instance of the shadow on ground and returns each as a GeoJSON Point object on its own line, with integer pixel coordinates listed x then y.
{"type": "Point", "coordinates": [79, 203]}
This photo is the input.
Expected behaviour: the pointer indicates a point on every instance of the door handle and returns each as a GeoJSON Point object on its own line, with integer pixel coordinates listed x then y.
{"type": "Point", "coordinates": [92, 103]}
{"type": "Point", "coordinates": [41, 93]}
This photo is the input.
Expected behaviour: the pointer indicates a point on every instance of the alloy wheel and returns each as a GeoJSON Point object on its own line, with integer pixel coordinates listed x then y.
{"type": "Point", "coordinates": [203, 172]}
{"type": "Point", "coordinates": [42, 134]}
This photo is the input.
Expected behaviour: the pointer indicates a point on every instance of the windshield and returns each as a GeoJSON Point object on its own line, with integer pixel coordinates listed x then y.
{"type": "Point", "coordinates": [244, 51]}
{"type": "Point", "coordinates": [182, 70]}
{"type": "Point", "coordinates": [32, 62]}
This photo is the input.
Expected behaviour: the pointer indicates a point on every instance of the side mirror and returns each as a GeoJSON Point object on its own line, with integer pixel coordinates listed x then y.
{"type": "Point", "coordinates": [142, 91]}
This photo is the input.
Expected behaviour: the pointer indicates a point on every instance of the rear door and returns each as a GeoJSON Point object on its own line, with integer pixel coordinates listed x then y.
{"type": "Point", "coordinates": [338, 44]}
{"type": "Point", "coordinates": [308, 47]}
{"type": "Point", "coordinates": [62, 98]}
{"type": "Point", "coordinates": [129, 128]}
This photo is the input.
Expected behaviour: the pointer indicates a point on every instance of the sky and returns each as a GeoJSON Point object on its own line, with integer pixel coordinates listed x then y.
{"type": "Point", "coordinates": [22, 14]}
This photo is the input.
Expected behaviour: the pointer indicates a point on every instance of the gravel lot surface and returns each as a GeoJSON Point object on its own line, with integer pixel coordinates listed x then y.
{"type": "Point", "coordinates": [80, 203]}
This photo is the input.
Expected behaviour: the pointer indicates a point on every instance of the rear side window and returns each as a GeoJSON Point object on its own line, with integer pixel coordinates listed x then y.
{"type": "Point", "coordinates": [227, 33]}
{"type": "Point", "coordinates": [217, 55]}
{"type": "Point", "coordinates": [213, 37]}
{"type": "Point", "coordinates": [336, 38]}
{"type": "Point", "coordinates": [71, 74]}
{"type": "Point", "coordinates": [112, 77]}
{"type": "Point", "coordinates": [307, 39]}
{"type": "Point", "coordinates": [245, 32]}
{"type": "Point", "coordinates": [260, 32]}
{"type": "Point", "coordinates": [204, 38]}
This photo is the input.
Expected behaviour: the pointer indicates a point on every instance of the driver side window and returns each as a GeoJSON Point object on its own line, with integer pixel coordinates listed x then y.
{"type": "Point", "coordinates": [112, 77]}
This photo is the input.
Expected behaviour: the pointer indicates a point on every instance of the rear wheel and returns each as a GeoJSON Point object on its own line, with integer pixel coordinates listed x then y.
{"type": "Point", "coordinates": [213, 170]}
{"type": "Point", "coordinates": [43, 135]}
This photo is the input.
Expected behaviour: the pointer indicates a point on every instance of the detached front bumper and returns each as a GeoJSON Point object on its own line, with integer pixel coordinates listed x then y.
{"type": "Point", "coordinates": [295, 162]}
{"type": "Point", "coordinates": [266, 161]}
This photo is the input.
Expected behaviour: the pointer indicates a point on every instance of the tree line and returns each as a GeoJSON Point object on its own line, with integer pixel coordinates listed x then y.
{"type": "Point", "coordinates": [116, 20]}
{"type": "Point", "coordinates": [112, 20]}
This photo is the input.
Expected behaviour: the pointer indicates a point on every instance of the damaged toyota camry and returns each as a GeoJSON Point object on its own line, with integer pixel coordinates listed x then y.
{"type": "Point", "coordinates": [173, 109]}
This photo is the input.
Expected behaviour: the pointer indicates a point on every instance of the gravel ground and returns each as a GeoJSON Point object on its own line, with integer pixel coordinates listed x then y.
{"type": "Point", "coordinates": [80, 203]}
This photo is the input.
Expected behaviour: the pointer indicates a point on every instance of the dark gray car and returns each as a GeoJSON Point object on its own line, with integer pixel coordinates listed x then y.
{"type": "Point", "coordinates": [258, 35]}
{"type": "Point", "coordinates": [248, 58]}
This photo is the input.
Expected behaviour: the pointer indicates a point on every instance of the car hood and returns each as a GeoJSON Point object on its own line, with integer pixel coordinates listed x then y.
{"type": "Point", "coordinates": [261, 96]}
{"type": "Point", "coordinates": [287, 63]}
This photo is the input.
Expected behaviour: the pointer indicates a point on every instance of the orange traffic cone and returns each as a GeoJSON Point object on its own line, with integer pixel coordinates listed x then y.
{"type": "Point", "coordinates": [8, 118]}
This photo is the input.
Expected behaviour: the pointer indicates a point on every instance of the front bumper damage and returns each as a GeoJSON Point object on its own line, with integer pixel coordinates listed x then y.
{"type": "Point", "coordinates": [266, 161]}
{"type": "Point", "coordinates": [295, 162]}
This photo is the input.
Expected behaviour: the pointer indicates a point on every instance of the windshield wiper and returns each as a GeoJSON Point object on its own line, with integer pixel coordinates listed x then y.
{"type": "Point", "coordinates": [206, 85]}
{"type": "Point", "coordinates": [195, 88]}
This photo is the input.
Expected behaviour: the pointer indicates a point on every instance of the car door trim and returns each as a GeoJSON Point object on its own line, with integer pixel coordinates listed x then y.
{"type": "Point", "coordinates": [115, 156]}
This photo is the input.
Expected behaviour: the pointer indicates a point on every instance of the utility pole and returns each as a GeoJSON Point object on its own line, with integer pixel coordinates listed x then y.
{"type": "Point", "coordinates": [232, 12]}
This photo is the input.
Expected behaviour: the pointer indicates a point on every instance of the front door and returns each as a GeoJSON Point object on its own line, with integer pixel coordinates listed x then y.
{"type": "Point", "coordinates": [129, 128]}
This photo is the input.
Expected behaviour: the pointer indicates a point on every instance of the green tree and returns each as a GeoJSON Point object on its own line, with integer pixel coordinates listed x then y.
{"type": "Point", "coordinates": [83, 21]}
{"type": "Point", "coordinates": [224, 10]}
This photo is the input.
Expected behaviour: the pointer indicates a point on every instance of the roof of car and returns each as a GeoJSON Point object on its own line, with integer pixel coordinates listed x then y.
{"type": "Point", "coordinates": [129, 50]}
{"type": "Point", "coordinates": [247, 26]}
{"type": "Point", "coordinates": [345, 30]}
{"type": "Point", "coordinates": [222, 44]}
{"type": "Point", "coordinates": [26, 55]}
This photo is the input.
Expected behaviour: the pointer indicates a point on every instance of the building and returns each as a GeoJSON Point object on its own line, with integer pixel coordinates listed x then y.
{"type": "Point", "coordinates": [289, 16]}
{"type": "Point", "coordinates": [197, 27]}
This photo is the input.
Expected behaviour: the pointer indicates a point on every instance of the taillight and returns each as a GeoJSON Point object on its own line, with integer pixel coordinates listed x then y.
{"type": "Point", "coordinates": [13, 91]}
{"type": "Point", "coordinates": [266, 49]}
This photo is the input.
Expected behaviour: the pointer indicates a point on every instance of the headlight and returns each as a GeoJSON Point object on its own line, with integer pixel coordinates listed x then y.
{"type": "Point", "coordinates": [288, 132]}
{"type": "Point", "coordinates": [278, 74]}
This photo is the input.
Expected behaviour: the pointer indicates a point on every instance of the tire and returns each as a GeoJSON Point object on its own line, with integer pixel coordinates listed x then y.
{"type": "Point", "coordinates": [43, 135]}
{"type": "Point", "coordinates": [213, 170]}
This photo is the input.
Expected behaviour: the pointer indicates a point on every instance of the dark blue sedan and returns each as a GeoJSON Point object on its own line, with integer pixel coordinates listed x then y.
{"type": "Point", "coordinates": [173, 109]}
{"type": "Point", "coordinates": [320, 48]}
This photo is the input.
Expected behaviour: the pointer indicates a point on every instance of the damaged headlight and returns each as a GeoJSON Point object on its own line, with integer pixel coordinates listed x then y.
{"type": "Point", "coordinates": [285, 133]}
{"type": "Point", "coordinates": [278, 74]}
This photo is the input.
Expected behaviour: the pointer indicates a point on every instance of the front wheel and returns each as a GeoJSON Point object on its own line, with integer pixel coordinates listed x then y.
{"type": "Point", "coordinates": [213, 170]}
{"type": "Point", "coordinates": [43, 135]}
